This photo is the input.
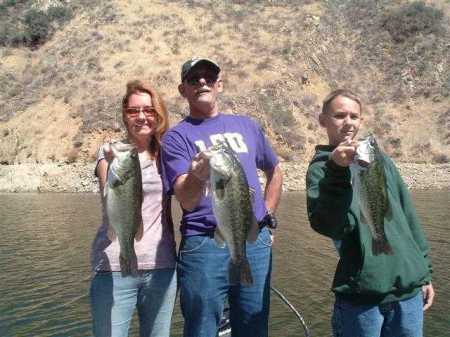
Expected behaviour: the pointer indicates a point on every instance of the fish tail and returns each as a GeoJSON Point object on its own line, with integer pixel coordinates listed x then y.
{"type": "Point", "coordinates": [381, 247]}
{"type": "Point", "coordinates": [240, 273]}
{"type": "Point", "coordinates": [128, 264]}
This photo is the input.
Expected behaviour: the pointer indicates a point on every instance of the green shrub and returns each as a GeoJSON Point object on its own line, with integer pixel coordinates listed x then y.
{"type": "Point", "coordinates": [59, 13]}
{"type": "Point", "coordinates": [24, 25]}
{"type": "Point", "coordinates": [413, 19]}
{"type": "Point", "coordinates": [37, 26]}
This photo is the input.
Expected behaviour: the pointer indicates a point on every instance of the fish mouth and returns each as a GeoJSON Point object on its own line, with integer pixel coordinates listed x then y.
{"type": "Point", "coordinates": [363, 163]}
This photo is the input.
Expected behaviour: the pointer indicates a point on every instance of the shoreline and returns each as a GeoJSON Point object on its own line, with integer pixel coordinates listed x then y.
{"type": "Point", "coordinates": [79, 178]}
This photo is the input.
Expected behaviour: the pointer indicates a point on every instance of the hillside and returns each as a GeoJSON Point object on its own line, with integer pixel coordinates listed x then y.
{"type": "Point", "coordinates": [60, 88]}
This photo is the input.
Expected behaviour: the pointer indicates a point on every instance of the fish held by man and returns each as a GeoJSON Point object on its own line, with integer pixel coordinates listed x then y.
{"type": "Point", "coordinates": [123, 203]}
{"type": "Point", "coordinates": [373, 195]}
{"type": "Point", "coordinates": [232, 207]}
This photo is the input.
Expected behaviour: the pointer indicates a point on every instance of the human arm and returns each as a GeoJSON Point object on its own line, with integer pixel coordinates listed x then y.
{"type": "Point", "coordinates": [101, 172]}
{"type": "Point", "coordinates": [329, 198]}
{"type": "Point", "coordinates": [104, 156]}
{"type": "Point", "coordinates": [184, 171]}
{"type": "Point", "coordinates": [329, 190]}
{"type": "Point", "coordinates": [189, 188]}
{"type": "Point", "coordinates": [273, 188]}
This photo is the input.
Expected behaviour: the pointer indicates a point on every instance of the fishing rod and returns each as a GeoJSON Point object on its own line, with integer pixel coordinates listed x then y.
{"type": "Point", "coordinates": [225, 328]}
{"type": "Point", "coordinates": [299, 316]}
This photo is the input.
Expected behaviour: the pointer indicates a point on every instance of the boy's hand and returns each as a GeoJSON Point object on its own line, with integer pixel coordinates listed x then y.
{"type": "Point", "coordinates": [344, 153]}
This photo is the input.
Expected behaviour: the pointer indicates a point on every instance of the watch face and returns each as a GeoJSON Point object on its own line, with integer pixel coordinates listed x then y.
{"type": "Point", "coordinates": [273, 221]}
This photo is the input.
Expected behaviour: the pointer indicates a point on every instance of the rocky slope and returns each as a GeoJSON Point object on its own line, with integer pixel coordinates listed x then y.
{"type": "Point", "coordinates": [59, 95]}
{"type": "Point", "coordinates": [80, 178]}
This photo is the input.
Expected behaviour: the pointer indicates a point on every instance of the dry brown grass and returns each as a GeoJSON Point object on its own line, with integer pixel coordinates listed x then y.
{"type": "Point", "coordinates": [279, 60]}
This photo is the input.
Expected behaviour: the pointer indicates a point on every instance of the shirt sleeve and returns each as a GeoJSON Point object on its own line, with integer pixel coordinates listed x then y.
{"type": "Point", "coordinates": [329, 198]}
{"type": "Point", "coordinates": [175, 160]}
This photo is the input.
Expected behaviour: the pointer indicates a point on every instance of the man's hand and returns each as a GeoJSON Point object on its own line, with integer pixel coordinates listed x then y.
{"type": "Point", "coordinates": [344, 153]}
{"type": "Point", "coordinates": [200, 166]}
{"type": "Point", "coordinates": [428, 296]}
{"type": "Point", "coordinates": [189, 188]}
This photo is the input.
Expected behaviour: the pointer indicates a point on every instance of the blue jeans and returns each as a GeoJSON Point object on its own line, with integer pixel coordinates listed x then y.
{"type": "Point", "coordinates": [114, 299]}
{"type": "Point", "coordinates": [203, 280]}
{"type": "Point", "coordinates": [397, 319]}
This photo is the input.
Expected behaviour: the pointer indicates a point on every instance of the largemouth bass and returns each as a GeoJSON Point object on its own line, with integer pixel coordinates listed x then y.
{"type": "Point", "coordinates": [123, 203]}
{"type": "Point", "coordinates": [370, 180]}
{"type": "Point", "coordinates": [232, 206]}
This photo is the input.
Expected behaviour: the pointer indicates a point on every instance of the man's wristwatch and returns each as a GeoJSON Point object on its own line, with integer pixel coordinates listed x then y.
{"type": "Point", "coordinates": [269, 220]}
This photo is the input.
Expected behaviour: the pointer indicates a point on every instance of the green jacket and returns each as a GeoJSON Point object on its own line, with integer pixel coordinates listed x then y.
{"type": "Point", "coordinates": [333, 210]}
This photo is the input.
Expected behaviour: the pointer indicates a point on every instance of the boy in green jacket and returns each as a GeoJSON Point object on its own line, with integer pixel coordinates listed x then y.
{"type": "Point", "coordinates": [377, 295]}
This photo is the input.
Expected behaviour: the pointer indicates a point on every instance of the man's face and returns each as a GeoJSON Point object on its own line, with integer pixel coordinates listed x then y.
{"type": "Point", "coordinates": [201, 86]}
{"type": "Point", "coordinates": [342, 120]}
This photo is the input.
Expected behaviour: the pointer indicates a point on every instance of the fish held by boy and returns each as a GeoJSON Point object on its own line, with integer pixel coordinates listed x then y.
{"type": "Point", "coordinates": [123, 203]}
{"type": "Point", "coordinates": [232, 207]}
{"type": "Point", "coordinates": [370, 181]}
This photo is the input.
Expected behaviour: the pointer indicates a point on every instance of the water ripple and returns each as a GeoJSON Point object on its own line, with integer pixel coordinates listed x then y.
{"type": "Point", "coordinates": [44, 258]}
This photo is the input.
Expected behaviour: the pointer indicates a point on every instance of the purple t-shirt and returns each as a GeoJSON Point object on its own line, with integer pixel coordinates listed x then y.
{"type": "Point", "coordinates": [182, 142]}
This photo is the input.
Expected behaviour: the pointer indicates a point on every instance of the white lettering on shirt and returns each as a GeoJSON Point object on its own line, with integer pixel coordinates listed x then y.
{"type": "Point", "coordinates": [235, 140]}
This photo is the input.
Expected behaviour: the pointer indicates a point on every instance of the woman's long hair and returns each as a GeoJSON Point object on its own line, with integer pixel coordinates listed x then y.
{"type": "Point", "coordinates": [136, 87]}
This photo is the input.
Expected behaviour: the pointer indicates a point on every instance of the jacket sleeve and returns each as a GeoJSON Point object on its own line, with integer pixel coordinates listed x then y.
{"type": "Point", "coordinates": [329, 197]}
{"type": "Point", "coordinates": [409, 211]}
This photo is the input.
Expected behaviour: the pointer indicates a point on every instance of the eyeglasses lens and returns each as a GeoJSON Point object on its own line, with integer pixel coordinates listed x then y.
{"type": "Point", "coordinates": [194, 79]}
{"type": "Point", "coordinates": [147, 110]}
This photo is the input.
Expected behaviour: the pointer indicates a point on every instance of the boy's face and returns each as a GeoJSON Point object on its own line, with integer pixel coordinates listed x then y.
{"type": "Point", "coordinates": [342, 120]}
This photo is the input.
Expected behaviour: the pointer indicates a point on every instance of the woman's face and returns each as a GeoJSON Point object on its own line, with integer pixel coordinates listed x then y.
{"type": "Point", "coordinates": [140, 117]}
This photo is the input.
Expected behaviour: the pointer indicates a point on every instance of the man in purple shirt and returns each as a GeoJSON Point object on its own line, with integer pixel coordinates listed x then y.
{"type": "Point", "coordinates": [203, 265]}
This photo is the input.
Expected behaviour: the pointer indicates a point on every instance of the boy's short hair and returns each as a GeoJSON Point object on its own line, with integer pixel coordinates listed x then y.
{"type": "Point", "coordinates": [339, 92]}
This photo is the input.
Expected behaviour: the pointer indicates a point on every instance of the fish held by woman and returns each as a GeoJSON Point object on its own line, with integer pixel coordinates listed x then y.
{"type": "Point", "coordinates": [123, 201]}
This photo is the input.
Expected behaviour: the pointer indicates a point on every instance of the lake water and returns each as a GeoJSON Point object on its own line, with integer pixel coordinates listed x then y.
{"type": "Point", "coordinates": [44, 266]}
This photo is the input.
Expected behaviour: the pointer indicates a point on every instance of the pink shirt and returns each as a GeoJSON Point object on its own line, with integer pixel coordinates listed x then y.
{"type": "Point", "coordinates": [156, 249]}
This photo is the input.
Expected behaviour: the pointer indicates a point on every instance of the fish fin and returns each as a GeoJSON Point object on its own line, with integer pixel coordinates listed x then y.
{"type": "Point", "coordinates": [381, 247]}
{"type": "Point", "coordinates": [253, 231]}
{"type": "Point", "coordinates": [252, 194]}
{"type": "Point", "coordinates": [104, 192]}
{"type": "Point", "coordinates": [218, 237]}
{"type": "Point", "coordinates": [207, 189]}
{"type": "Point", "coordinates": [111, 233]}
{"type": "Point", "coordinates": [140, 232]}
{"type": "Point", "coordinates": [388, 215]}
{"type": "Point", "coordinates": [113, 179]}
{"type": "Point", "coordinates": [240, 273]}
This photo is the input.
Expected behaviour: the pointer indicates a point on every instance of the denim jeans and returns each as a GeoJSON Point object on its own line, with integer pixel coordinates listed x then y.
{"type": "Point", "coordinates": [114, 299]}
{"type": "Point", "coordinates": [204, 286]}
{"type": "Point", "coordinates": [397, 319]}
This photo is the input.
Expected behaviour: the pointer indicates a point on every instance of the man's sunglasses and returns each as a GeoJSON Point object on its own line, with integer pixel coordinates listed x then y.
{"type": "Point", "coordinates": [194, 79]}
